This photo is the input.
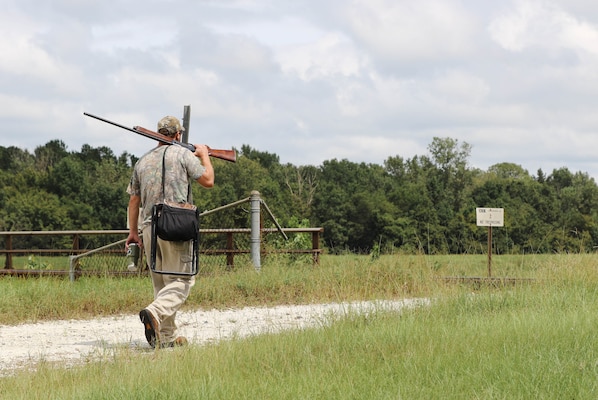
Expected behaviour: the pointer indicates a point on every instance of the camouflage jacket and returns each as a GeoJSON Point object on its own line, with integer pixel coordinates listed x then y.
{"type": "Point", "coordinates": [182, 167]}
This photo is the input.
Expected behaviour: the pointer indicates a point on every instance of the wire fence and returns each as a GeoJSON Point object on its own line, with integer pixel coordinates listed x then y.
{"type": "Point", "coordinates": [106, 260]}
{"type": "Point", "coordinates": [219, 248]}
{"type": "Point", "coordinates": [103, 252]}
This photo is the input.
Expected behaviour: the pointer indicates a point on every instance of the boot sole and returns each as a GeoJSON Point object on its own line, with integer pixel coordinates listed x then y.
{"type": "Point", "coordinates": [149, 324]}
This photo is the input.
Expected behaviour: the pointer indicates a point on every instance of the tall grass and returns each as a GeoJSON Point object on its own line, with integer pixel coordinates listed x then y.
{"type": "Point", "coordinates": [279, 282]}
{"type": "Point", "coordinates": [337, 278]}
{"type": "Point", "coordinates": [529, 340]}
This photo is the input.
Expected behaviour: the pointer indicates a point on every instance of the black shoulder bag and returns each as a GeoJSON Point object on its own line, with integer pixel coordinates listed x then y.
{"type": "Point", "coordinates": [175, 222]}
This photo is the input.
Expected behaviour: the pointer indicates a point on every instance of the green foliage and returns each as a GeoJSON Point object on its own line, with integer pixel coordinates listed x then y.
{"type": "Point", "coordinates": [425, 204]}
{"type": "Point", "coordinates": [33, 263]}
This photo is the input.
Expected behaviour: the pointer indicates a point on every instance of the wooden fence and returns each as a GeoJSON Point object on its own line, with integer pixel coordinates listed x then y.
{"type": "Point", "coordinates": [76, 236]}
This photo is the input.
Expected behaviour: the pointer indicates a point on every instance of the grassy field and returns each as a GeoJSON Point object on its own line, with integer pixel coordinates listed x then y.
{"type": "Point", "coordinates": [515, 339]}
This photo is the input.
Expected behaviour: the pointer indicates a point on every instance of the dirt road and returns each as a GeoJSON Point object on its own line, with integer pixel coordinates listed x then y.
{"type": "Point", "coordinates": [77, 341]}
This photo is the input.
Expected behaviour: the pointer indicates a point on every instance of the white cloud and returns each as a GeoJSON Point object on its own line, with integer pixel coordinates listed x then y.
{"type": "Point", "coordinates": [545, 25]}
{"type": "Point", "coordinates": [362, 80]}
{"type": "Point", "coordinates": [145, 34]}
{"type": "Point", "coordinates": [455, 86]}
{"type": "Point", "coordinates": [329, 56]}
{"type": "Point", "coordinates": [422, 30]}
{"type": "Point", "coordinates": [22, 56]}
{"type": "Point", "coordinates": [275, 32]}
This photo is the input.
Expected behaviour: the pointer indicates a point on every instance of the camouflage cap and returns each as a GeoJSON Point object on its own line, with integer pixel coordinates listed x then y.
{"type": "Point", "coordinates": [169, 126]}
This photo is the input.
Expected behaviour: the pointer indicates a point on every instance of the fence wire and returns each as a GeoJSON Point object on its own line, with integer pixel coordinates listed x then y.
{"type": "Point", "coordinates": [227, 247]}
{"type": "Point", "coordinates": [219, 249]}
{"type": "Point", "coordinates": [111, 260]}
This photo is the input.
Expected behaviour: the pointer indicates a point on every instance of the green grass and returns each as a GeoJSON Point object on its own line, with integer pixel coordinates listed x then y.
{"type": "Point", "coordinates": [337, 278]}
{"type": "Point", "coordinates": [522, 341]}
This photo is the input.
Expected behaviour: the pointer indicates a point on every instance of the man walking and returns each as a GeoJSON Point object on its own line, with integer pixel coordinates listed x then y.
{"type": "Point", "coordinates": [145, 190]}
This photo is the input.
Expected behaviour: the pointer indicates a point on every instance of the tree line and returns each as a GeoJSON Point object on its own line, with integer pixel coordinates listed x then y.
{"type": "Point", "coordinates": [425, 204]}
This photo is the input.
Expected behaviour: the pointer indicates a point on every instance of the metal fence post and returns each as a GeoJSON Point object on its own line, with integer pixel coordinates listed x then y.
{"type": "Point", "coordinates": [72, 265]}
{"type": "Point", "coordinates": [8, 241]}
{"type": "Point", "coordinates": [255, 229]}
{"type": "Point", "coordinates": [186, 122]}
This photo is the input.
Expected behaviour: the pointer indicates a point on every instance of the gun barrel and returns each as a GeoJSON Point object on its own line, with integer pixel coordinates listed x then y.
{"type": "Point", "coordinates": [109, 122]}
{"type": "Point", "coordinates": [227, 155]}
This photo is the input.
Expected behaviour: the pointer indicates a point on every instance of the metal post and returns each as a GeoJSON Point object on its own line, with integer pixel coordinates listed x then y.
{"type": "Point", "coordinates": [490, 251]}
{"type": "Point", "coordinates": [186, 117]}
{"type": "Point", "coordinates": [230, 257]}
{"type": "Point", "coordinates": [315, 246]}
{"type": "Point", "coordinates": [255, 229]}
{"type": "Point", "coordinates": [72, 265]}
{"type": "Point", "coordinates": [8, 241]}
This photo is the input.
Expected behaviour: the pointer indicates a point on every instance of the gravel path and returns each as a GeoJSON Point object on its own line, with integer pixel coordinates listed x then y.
{"type": "Point", "coordinates": [76, 341]}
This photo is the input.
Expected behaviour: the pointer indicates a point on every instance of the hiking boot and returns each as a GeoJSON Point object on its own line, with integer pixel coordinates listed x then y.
{"type": "Point", "coordinates": [151, 326]}
{"type": "Point", "coordinates": [178, 342]}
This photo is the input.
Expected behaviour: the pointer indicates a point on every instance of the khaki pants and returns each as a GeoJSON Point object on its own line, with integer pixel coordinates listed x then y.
{"type": "Point", "coordinates": [170, 291]}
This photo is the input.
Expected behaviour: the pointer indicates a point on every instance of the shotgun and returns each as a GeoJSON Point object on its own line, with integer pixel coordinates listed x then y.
{"type": "Point", "coordinates": [227, 155]}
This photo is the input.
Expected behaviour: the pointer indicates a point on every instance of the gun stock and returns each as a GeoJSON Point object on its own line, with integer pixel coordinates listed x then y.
{"type": "Point", "coordinates": [227, 155]}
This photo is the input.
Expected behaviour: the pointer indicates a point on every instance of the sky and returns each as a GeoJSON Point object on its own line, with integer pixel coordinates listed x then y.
{"type": "Point", "coordinates": [309, 80]}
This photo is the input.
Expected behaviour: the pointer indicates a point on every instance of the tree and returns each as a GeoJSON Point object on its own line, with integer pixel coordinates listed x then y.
{"type": "Point", "coordinates": [422, 204]}
{"type": "Point", "coordinates": [69, 178]}
{"type": "Point", "coordinates": [302, 184]}
{"type": "Point", "coordinates": [351, 204]}
{"type": "Point", "coordinates": [448, 155]}
{"type": "Point", "coordinates": [96, 155]}
{"type": "Point", "coordinates": [14, 159]}
{"type": "Point", "coordinates": [31, 210]}
{"type": "Point", "coordinates": [50, 154]}
{"type": "Point", "coordinates": [508, 171]}
{"type": "Point", "coordinates": [265, 159]}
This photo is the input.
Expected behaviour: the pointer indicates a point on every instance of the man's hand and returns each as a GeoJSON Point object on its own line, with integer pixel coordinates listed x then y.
{"type": "Point", "coordinates": [133, 238]}
{"type": "Point", "coordinates": [202, 151]}
{"type": "Point", "coordinates": [134, 203]}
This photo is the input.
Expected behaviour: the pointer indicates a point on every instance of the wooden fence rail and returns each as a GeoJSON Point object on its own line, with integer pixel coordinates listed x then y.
{"type": "Point", "coordinates": [229, 251]}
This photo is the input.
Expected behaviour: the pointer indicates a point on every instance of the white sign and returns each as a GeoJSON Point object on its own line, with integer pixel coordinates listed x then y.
{"type": "Point", "coordinates": [490, 216]}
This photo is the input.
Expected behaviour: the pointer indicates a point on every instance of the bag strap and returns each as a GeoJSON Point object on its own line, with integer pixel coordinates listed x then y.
{"type": "Point", "coordinates": [164, 173]}
{"type": "Point", "coordinates": [164, 177]}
